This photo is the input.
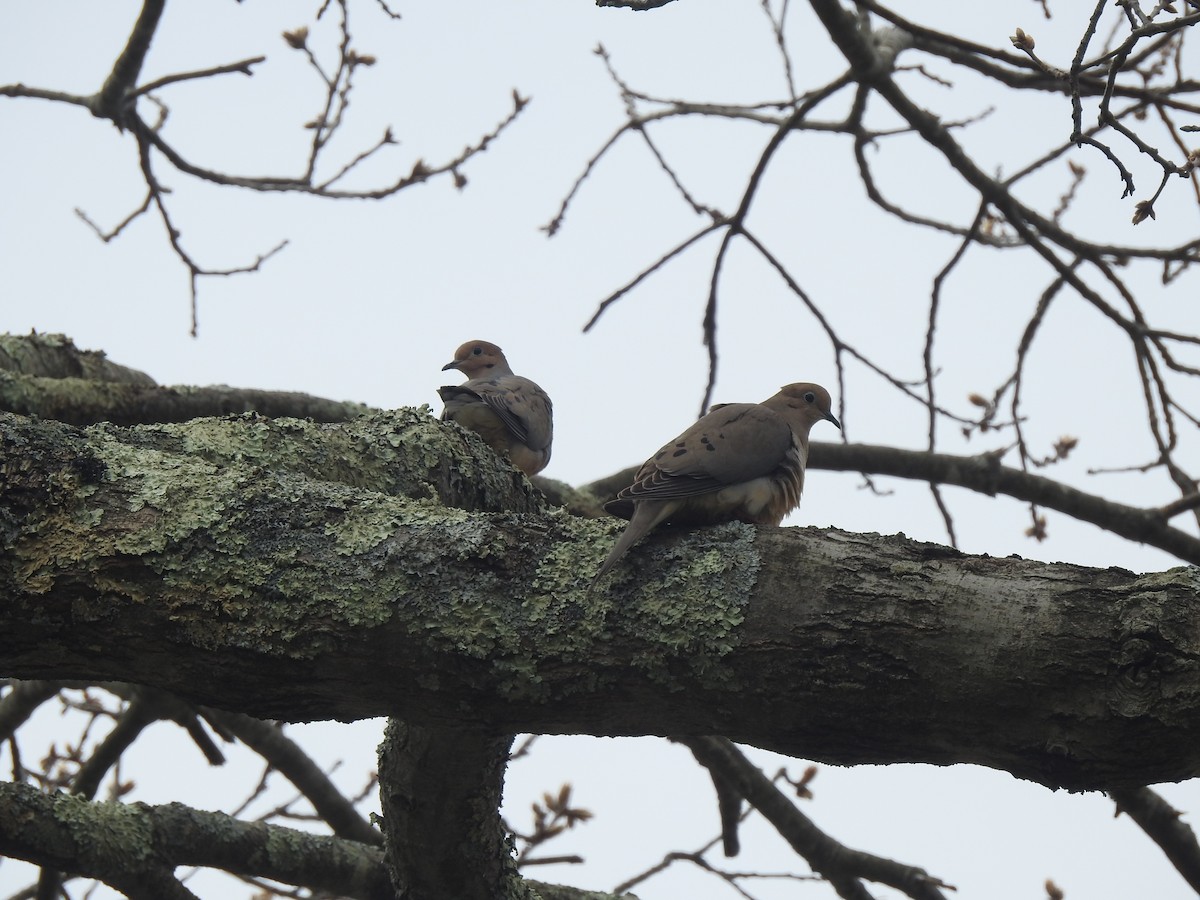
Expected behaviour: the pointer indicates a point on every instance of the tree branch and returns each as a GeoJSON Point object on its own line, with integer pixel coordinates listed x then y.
{"type": "Point", "coordinates": [447, 842]}
{"type": "Point", "coordinates": [19, 703]}
{"type": "Point", "coordinates": [56, 356]}
{"type": "Point", "coordinates": [181, 547]}
{"type": "Point", "coordinates": [84, 402]}
{"type": "Point", "coordinates": [840, 865]}
{"type": "Point", "coordinates": [1164, 826]}
{"type": "Point", "coordinates": [111, 102]}
{"type": "Point", "coordinates": [984, 474]}
{"type": "Point", "coordinates": [135, 847]}
{"type": "Point", "coordinates": [282, 753]}
{"type": "Point", "coordinates": [243, 67]}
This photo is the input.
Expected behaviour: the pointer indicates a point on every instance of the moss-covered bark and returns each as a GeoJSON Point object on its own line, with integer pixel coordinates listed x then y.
{"type": "Point", "coordinates": [48, 376]}
{"type": "Point", "coordinates": [448, 841]}
{"type": "Point", "coordinates": [135, 847]}
{"type": "Point", "coordinates": [302, 572]}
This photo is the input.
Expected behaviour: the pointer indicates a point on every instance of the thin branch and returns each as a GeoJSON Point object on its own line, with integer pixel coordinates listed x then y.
{"type": "Point", "coordinates": [20, 702]}
{"type": "Point", "coordinates": [1183, 504]}
{"type": "Point", "coordinates": [244, 67]}
{"type": "Point", "coordinates": [984, 474]}
{"type": "Point", "coordinates": [840, 346]}
{"type": "Point", "coordinates": [646, 273]}
{"type": "Point", "coordinates": [1165, 827]}
{"type": "Point", "coordinates": [288, 758]}
{"type": "Point", "coordinates": [935, 300]}
{"type": "Point", "coordinates": [117, 229]}
{"type": "Point", "coordinates": [836, 862]}
{"type": "Point", "coordinates": [21, 90]}
{"type": "Point", "coordinates": [421, 171]}
{"type": "Point", "coordinates": [698, 858]}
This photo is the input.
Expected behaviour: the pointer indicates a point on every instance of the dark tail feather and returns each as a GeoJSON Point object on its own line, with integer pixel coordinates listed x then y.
{"type": "Point", "coordinates": [646, 515]}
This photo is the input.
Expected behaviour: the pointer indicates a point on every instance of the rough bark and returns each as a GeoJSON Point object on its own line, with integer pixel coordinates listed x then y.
{"type": "Point", "coordinates": [56, 356]}
{"type": "Point", "coordinates": [48, 376]}
{"type": "Point", "coordinates": [135, 848]}
{"type": "Point", "coordinates": [448, 841]}
{"type": "Point", "coordinates": [232, 570]}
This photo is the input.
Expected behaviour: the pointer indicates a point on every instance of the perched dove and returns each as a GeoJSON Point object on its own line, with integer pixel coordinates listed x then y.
{"type": "Point", "coordinates": [511, 413]}
{"type": "Point", "coordinates": [742, 461]}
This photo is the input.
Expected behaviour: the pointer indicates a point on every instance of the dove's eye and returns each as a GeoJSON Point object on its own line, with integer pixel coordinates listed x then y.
{"type": "Point", "coordinates": [810, 397]}
{"type": "Point", "coordinates": [477, 351]}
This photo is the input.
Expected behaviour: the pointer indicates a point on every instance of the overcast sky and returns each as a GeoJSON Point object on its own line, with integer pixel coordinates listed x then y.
{"type": "Point", "coordinates": [370, 299]}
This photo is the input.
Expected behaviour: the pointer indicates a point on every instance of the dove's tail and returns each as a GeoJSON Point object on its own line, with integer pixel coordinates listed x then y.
{"type": "Point", "coordinates": [647, 515]}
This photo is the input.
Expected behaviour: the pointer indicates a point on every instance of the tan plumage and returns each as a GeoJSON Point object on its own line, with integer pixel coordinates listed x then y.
{"type": "Point", "coordinates": [742, 461]}
{"type": "Point", "coordinates": [512, 414]}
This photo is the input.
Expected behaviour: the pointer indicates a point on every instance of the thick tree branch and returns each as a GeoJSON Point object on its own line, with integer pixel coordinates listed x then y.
{"type": "Point", "coordinates": [447, 841]}
{"type": "Point", "coordinates": [129, 726]}
{"type": "Point", "coordinates": [985, 474]}
{"type": "Point", "coordinates": [55, 356]}
{"type": "Point", "coordinates": [84, 402]}
{"type": "Point", "coordinates": [48, 376]}
{"type": "Point", "coordinates": [230, 578]}
{"type": "Point", "coordinates": [135, 847]}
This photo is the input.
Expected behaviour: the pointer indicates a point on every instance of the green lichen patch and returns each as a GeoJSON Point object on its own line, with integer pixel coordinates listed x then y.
{"type": "Point", "coordinates": [241, 438]}
{"type": "Point", "coordinates": [233, 531]}
{"type": "Point", "coordinates": [178, 494]}
{"type": "Point", "coordinates": [693, 614]}
{"type": "Point", "coordinates": [403, 452]}
{"type": "Point", "coordinates": [106, 830]}
{"type": "Point", "coordinates": [372, 519]}
{"type": "Point", "coordinates": [570, 564]}
{"type": "Point", "coordinates": [62, 541]}
{"type": "Point", "coordinates": [49, 355]}
{"type": "Point", "coordinates": [311, 552]}
{"type": "Point", "coordinates": [907, 568]}
{"type": "Point", "coordinates": [551, 620]}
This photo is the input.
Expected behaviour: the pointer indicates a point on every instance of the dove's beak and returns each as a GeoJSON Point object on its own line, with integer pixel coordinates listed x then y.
{"type": "Point", "coordinates": [832, 418]}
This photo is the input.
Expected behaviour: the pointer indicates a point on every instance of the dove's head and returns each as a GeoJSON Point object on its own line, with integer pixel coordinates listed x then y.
{"type": "Point", "coordinates": [479, 359]}
{"type": "Point", "coordinates": [804, 404]}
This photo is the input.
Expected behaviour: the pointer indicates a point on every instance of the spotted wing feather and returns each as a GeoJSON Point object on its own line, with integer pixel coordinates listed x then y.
{"type": "Point", "coordinates": [736, 443]}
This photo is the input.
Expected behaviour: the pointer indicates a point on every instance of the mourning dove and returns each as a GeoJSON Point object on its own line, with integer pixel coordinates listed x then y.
{"type": "Point", "coordinates": [511, 413]}
{"type": "Point", "coordinates": [742, 461]}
